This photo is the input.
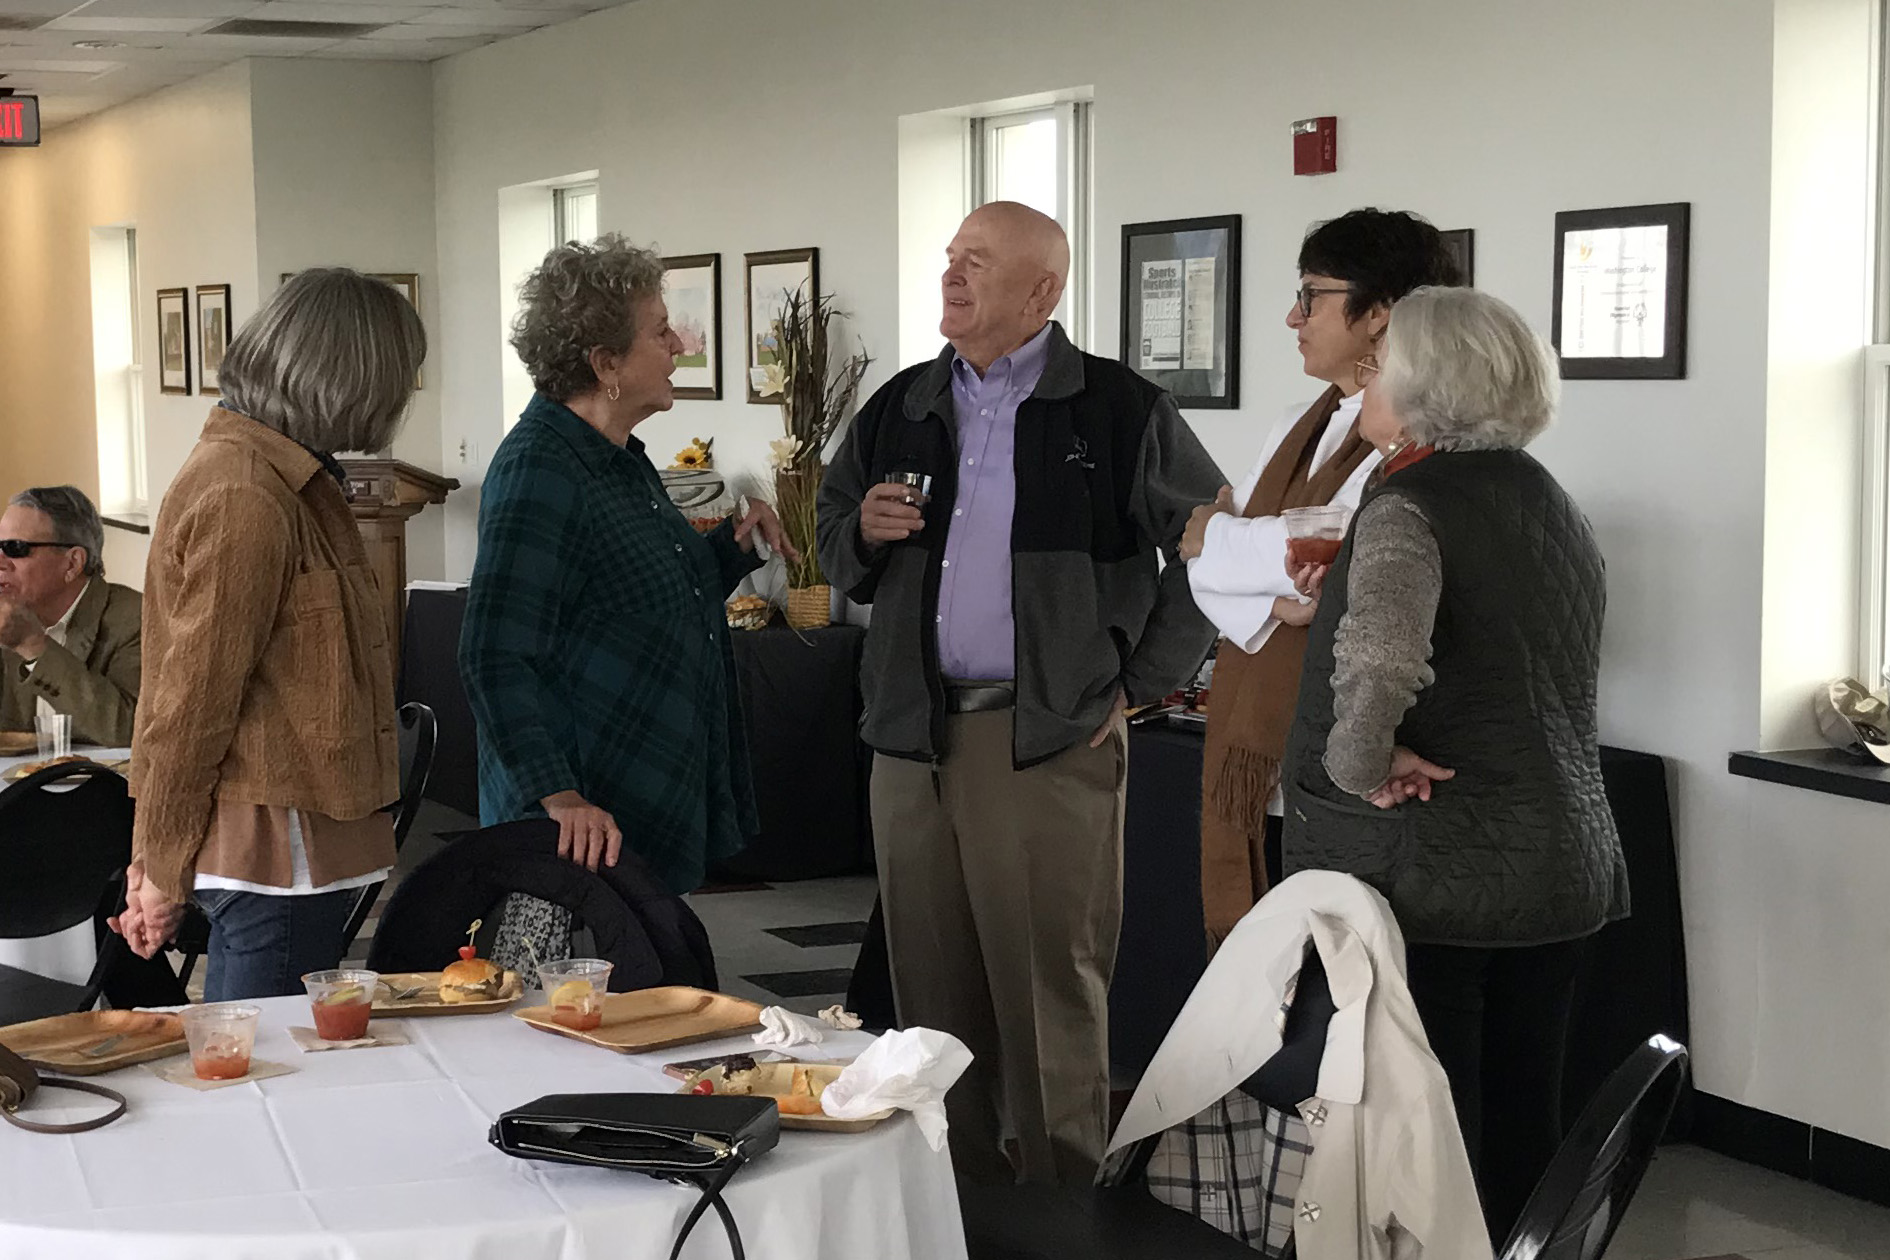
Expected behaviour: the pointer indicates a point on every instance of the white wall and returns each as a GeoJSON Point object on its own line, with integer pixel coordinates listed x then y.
{"type": "Point", "coordinates": [344, 177]}
{"type": "Point", "coordinates": [1485, 114]}
{"type": "Point", "coordinates": [175, 165]}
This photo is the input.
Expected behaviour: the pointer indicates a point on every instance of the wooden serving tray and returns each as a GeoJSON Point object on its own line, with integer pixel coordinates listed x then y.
{"type": "Point", "coordinates": [427, 1001]}
{"type": "Point", "coordinates": [18, 743]}
{"type": "Point", "coordinates": [656, 1019]}
{"type": "Point", "coordinates": [59, 1043]}
{"type": "Point", "coordinates": [774, 1079]}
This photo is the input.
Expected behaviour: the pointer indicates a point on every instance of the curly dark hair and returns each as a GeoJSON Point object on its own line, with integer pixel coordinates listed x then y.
{"type": "Point", "coordinates": [1381, 254]}
{"type": "Point", "coordinates": [581, 296]}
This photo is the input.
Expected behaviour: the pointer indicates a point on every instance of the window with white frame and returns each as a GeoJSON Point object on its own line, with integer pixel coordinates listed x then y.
{"type": "Point", "coordinates": [1041, 158]}
{"type": "Point", "coordinates": [118, 374]}
{"type": "Point", "coordinates": [1874, 601]}
{"type": "Point", "coordinates": [574, 207]}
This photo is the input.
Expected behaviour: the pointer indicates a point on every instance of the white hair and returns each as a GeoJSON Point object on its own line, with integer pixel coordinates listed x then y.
{"type": "Point", "coordinates": [1463, 371]}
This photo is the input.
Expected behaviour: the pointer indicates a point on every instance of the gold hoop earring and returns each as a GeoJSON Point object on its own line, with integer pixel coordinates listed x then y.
{"type": "Point", "coordinates": [612, 392]}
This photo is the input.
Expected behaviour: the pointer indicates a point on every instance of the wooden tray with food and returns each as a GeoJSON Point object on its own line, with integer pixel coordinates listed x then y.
{"type": "Point", "coordinates": [654, 1019]}
{"type": "Point", "coordinates": [471, 986]}
{"type": "Point", "coordinates": [96, 1041]}
{"type": "Point", "coordinates": [795, 1087]}
{"type": "Point", "coordinates": [18, 743]}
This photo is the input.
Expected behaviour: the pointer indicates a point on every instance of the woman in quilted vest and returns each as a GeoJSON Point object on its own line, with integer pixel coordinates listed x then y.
{"type": "Point", "coordinates": [1351, 270]}
{"type": "Point", "coordinates": [1446, 747]}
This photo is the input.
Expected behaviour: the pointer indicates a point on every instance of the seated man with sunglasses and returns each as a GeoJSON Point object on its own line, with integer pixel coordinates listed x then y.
{"type": "Point", "coordinates": [69, 640]}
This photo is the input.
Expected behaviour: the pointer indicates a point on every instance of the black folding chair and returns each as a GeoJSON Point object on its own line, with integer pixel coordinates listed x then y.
{"type": "Point", "coordinates": [419, 734]}
{"type": "Point", "coordinates": [1118, 1219]}
{"type": "Point", "coordinates": [1581, 1199]}
{"type": "Point", "coordinates": [65, 839]}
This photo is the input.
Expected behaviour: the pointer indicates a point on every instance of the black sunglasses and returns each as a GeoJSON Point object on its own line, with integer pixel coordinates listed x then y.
{"type": "Point", "coordinates": [20, 549]}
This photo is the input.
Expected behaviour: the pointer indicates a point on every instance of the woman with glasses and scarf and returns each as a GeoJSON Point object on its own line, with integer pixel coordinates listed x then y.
{"type": "Point", "coordinates": [1351, 271]}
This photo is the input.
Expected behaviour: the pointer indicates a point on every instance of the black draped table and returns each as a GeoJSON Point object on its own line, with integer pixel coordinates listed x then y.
{"type": "Point", "coordinates": [800, 695]}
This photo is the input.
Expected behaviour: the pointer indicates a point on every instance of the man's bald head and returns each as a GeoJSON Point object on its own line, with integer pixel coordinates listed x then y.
{"type": "Point", "coordinates": [1006, 271]}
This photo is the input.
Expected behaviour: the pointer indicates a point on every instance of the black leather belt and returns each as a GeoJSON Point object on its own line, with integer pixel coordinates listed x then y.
{"type": "Point", "coordinates": [979, 697]}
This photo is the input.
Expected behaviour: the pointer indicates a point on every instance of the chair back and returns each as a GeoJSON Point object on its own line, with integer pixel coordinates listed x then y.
{"type": "Point", "coordinates": [65, 833]}
{"type": "Point", "coordinates": [419, 734]}
{"type": "Point", "coordinates": [1580, 1200]}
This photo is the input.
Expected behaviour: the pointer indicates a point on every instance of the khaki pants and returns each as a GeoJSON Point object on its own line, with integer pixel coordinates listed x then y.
{"type": "Point", "coordinates": [1002, 892]}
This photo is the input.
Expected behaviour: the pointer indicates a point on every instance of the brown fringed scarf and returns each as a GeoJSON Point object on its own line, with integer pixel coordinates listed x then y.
{"type": "Point", "coordinates": [1251, 709]}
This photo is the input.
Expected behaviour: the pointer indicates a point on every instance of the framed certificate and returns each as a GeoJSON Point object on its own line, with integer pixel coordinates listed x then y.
{"type": "Point", "coordinates": [1621, 293]}
{"type": "Point", "coordinates": [1181, 307]}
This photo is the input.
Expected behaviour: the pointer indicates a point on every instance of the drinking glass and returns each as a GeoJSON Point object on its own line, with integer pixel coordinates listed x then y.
{"type": "Point", "coordinates": [574, 989]}
{"type": "Point", "coordinates": [55, 735]}
{"type": "Point", "coordinates": [918, 487]}
{"type": "Point", "coordinates": [221, 1038]}
{"type": "Point", "coordinates": [1313, 534]}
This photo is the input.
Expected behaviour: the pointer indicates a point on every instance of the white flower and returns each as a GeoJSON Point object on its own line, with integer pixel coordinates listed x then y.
{"type": "Point", "coordinates": [773, 381]}
{"type": "Point", "coordinates": [782, 452]}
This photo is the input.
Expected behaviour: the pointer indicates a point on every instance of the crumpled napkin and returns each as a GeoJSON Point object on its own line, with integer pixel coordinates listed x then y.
{"type": "Point", "coordinates": [909, 1069]}
{"type": "Point", "coordinates": [781, 1027]}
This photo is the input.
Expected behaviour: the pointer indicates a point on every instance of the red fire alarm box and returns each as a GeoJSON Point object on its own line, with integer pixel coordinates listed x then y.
{"type": "Point", "coordinates": [1315, 146]}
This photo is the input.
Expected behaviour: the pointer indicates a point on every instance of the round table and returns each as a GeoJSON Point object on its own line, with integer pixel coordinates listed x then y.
{"type": "Point", "coordinates": [66, 955]}
{"type": "Point", "coordinates": [381, 1154]}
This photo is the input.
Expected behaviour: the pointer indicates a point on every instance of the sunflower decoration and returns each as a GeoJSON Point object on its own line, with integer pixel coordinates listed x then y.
{"type": "Point", "coordinates": [699, 454]}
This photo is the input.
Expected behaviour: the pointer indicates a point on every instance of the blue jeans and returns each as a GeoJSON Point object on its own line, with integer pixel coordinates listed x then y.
{"type": "Point", "coordinates": [262, 944]}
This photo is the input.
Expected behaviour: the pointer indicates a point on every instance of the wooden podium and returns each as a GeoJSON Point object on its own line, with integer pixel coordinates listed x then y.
{"type": "Point", "coordinates": [385, 494]}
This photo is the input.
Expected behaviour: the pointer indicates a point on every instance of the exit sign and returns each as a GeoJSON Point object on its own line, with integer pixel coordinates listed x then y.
{"type": "Point", "coordinates": [19, 121]}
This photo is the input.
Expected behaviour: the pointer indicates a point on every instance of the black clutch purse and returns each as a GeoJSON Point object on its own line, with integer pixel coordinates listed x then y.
{"type": "Point", "coordinates": [698, 1140]}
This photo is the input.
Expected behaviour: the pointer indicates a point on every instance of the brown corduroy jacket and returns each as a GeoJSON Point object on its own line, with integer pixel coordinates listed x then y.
{"type": "Point", "coordinates": [267, 674]}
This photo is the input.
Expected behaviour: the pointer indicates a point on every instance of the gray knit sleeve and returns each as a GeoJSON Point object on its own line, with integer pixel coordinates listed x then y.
{"type": "Point", "coordinates": [1382, 649]}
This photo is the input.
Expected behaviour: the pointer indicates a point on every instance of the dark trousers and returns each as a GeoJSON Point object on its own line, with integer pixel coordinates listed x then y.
{"type": "Point", "coordinates": [1497, 1020]}
{"type": "Point", "coordinates": [262, 944]}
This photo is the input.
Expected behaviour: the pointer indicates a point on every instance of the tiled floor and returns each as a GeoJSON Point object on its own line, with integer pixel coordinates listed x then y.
{"type": "Point", "coordinates": [794, 944]}
{"type": "Point", "coordinates": [1695, 1203]}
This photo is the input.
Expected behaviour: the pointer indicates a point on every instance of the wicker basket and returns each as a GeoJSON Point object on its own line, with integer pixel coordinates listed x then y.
{"type": "Point", "coordinates": [810, 607]}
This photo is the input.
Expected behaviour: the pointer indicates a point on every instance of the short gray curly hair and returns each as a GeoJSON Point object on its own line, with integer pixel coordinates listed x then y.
{"type": "Point", "coordinates": [1463, 371]}
{"type": "Point", "coordinates": [581, 297]}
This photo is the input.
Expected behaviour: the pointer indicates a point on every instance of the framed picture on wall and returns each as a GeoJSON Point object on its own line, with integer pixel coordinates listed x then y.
{"type": "Point", "coordinates": [407, 284]}
{"type": "Point", "coordinates": [1620, 309]}
{"type": "Point", "coordinates": [1181, 307]}
{"type": "Point", "coordinates": [213, 334]}
{"type": "Point", "coordinates": [768, 279]}
{"type": "Point", "coordinates": [173, 324]}
{"type": "Point", "coordinates": [1461, 245]}
{"type": "Point", "coordinates": [692, 288]}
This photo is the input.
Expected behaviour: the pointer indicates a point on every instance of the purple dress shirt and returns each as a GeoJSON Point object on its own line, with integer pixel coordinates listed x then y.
{"type": "Point", "coordinates": [977, 639]}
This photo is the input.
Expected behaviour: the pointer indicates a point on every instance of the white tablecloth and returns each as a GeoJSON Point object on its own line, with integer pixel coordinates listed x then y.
{"type": "Point", "coordinates": [67, 955]}
{"type": "Point", "coordinates": [381, 1154]}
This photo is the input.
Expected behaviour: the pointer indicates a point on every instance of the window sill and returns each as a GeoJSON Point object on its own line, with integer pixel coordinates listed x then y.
{"type": "Point", "coordinates": [1816, 770]}
{"type": "Point", "coordinates": [135, 522]}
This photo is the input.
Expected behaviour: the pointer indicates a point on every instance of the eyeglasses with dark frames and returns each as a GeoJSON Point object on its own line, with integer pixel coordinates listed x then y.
{"type": "Point", "coordinates": [20, 549]}
{"type": "Point", "coordinates": [1305, 294]}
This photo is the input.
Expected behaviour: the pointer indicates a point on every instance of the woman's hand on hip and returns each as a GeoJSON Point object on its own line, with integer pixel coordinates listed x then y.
{"type": "Point", "coordinates": [586, 834]}
{"type": "Point", "coordinates": [1411, 778]}
{"type": "Point", "coordinates": [761, 517]}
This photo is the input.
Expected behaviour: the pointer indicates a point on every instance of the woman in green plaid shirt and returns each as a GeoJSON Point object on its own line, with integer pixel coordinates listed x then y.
{"type": "Point", "coordinates": [595, 649]}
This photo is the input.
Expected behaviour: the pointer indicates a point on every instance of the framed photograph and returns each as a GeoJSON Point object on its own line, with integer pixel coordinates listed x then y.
{"type": "Point", "coordinates": [1461, 244]}
{"type": "Point", "coordinates": [213, 334]}
{"type": "Point", "coordinates": [173, 324]}
{"type": "Point", "coordinates": [692, 288]}
{"type": "Point", "coordinates": [407, 284]}
{"type": "Point", "coordinates": [768, 279]}
{"type": "Point", "coordinates": [1181, 307]}
{"type": "Point", "coordinates": [1620, 308]}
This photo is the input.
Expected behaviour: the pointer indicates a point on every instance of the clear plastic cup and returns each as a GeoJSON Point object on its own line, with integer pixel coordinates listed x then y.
{"type": "Point", "coordinates": [53, 734]}
{"type": "Point", "coordinates": [221, 1038]}
{"type": "Point", "coordinates": [1313, 534]}
{"type": "Point", "coordinates": [918, 487]}
{"type": "Point", "coordinates": [341, 1002]}
{"type": "Point", "coordinates": [574, 989]}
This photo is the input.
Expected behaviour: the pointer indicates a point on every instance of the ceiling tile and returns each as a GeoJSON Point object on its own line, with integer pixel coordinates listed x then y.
{"type": "Point", "coordinates": [304, 11]}
{"type": "Point", "coordinates": [171, 8]}
{"type": "Point", "coordinates": [494, 19]}
{"type": "Point", "coordinates": [37, 8]}
{"type": "Point", "coordinates": [107, 26]}
{"type": "Point", "coordinates": [401, 50]}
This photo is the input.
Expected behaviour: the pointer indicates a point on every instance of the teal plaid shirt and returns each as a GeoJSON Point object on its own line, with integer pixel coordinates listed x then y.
{"type": "Point", "coordinates": [596, 651]}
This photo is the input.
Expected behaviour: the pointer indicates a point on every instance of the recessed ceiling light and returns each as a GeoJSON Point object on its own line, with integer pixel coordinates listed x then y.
{"type": "Point", "coordinates": [95, 44]}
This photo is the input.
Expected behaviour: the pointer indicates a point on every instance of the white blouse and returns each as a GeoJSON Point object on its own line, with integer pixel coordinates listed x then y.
{"type": "Point", "coordinates": [1242, 565]}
